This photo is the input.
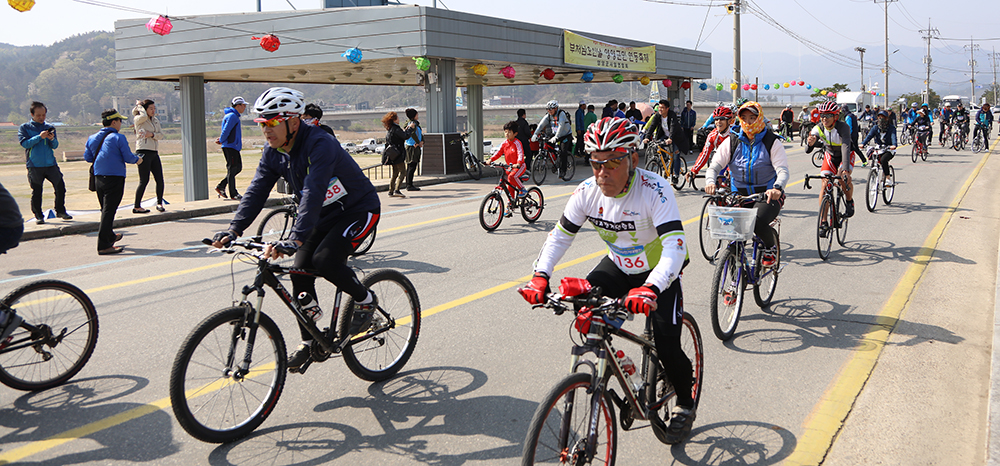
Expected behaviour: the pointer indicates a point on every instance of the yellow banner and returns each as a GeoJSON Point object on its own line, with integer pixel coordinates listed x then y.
{"type": "Point", "coordinates": [580, 50]}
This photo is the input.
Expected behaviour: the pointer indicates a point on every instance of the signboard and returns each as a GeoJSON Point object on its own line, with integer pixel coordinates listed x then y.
{"type": "Point", "coordinates": [580, 50]}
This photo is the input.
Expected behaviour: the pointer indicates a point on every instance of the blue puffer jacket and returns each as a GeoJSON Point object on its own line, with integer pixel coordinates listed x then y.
{"type": "Point", "coordinates": [39, 150]}
{"type": "Point", "coordinates": [232, 132]}
{"type": "Point", "coordinates": [750, 166]}
{"type": "Point", "coordinates": [111, 157]}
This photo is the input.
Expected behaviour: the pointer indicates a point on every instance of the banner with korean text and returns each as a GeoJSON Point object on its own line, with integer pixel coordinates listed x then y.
{"type": "Point", "coordinates": [580, 50]}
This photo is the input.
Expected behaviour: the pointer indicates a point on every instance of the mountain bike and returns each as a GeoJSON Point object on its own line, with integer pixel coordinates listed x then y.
{"type": "Point", "coordinates": [546, 160]}
{"type": "Point", "coordinates": [473, 166]}
{"type": "Point", "coordinates": [785, 131]}
{"type": "Point", "coordinates": [831, 214]}
{"type": "Point", "coordinates": [959, 137]}
{"type": "Point", "coordinates": [979, 140]}
{"type": "Point", "coordinates": [277, 226]}
{"type": "Point", "coordinates": [906, 136]}
{"type": "Point", "coordinates": [55, 338]}
{"type": "Point", "coordinates": [493, 209]}
{"type": "Point", "coordinates": [660, 158]}
{"type": "Point", "coordinates": [575, 422]}
{"type": "Point", "coordinates": [919, 148]}
{"type": "Point", "coordinates": [879, 182]}
{"type": "Point", "coordinates": [945, 137]}
{"type": "Point", "coordinates": [230, 370]}
{"type": "Point", "coordinates": [736, 269]}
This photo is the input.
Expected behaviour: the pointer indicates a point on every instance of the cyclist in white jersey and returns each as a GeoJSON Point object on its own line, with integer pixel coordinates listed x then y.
{"type": "Point", "coordinates": [635, 213]}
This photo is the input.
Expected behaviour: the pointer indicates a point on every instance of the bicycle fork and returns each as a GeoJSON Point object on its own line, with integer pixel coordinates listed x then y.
{"type": "Point", "coordinates": [248, 331]}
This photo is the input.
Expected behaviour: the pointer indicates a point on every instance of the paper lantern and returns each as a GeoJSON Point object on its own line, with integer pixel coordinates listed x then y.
{"type": "Point", "coordinates": [668, 83]}
{"type": "Point", "coordinates": [809, 86]}
{"type": "Point", "coordinates": [269, 42]}
{"type": "Point", "coordinates": [801, 82]}
{"type": "Point", "coordinates": [352, 54]}
{"type": "Point", "coordinates": [823, 92]}
{"type": "Point", "coordinates": [423, 64]}
{"type": "Point", "coordinates": [160, 25]}
{"type": "Point", "coordinates": [733, 86]}
{"type": "Point", "coordinates": [644, 80]}
{"type": "Point", "coordinates": [480, 69]}
{"type": "Point", "coordinates": [833, 95]}
{"type": "Point", "coordinates": [793, 83]}
{"type": "Point", "coordinates": [548, 74]}
{"type": "Point", "coordinates": [618, 78]}
{"type": "Point", "coordinates": [753, 87]}
{"type": "Point", "coordinates": [767, 87]}
{"type": "Point", "coordinates": [786, 85]}
{"type": "Point", "coordinates": [746, 87]}
{"type": "Point", "coordinates": [686, 85]}
{"type": "Point", "coordinates": [508, 72]}
{"type": "Point", "coordinates": [718, 87]}
{"type": "Point", "coordinates": [21, 5]}
{"type": "Point", "coordinates": [703, 86]}
{"type": "Point", "coordinates": [587, 77]}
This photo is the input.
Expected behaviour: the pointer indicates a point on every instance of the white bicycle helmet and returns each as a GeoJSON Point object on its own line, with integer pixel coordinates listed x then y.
{"type": "Point", "coordinates": [617, 134]}
{"type": "Point", "coordinates": [278, 101]}
{"type": "Point", "coordinates": [552, 104]}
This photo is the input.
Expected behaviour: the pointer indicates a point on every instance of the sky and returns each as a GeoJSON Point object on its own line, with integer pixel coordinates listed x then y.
{"type": "Point", "coordinates": [767, 53]}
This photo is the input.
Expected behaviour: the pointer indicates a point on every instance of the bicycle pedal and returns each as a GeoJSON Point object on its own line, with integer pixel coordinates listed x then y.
{"type": "Point", "coordinates": [301, 369]}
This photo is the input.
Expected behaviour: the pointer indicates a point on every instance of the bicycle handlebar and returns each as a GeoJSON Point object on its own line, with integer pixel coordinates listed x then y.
{"type": "Point", "coordinates": [251, 245]}
{"type": "Point", "coordinates": [806, 184]}
{"type": "Point", "coordinates": [594, 302]}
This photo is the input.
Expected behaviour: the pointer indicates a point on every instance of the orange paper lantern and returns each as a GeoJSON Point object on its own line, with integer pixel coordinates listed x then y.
{"type": "Point", "coordinates": [21, 5]}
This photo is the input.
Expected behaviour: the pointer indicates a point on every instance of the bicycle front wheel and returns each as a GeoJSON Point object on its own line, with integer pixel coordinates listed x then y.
{"type": "Point", "coordinates": [558, 433]}
{"type": "Point", "coordinates": [472, 166]}
{"type": "Point", "coordinates": [767, 277]}
{"type": "Point", "coordinates": [824, 228]}
{"type": "Point", "coordinates": [662, 399]}
{"type": "Point", "coordinates": [726, 301]}
{"type": "Point", "coordinates": [532, 205]}
{"type": "Point", "coordinates": [923, 152]}
{"type": "Point", "coordinates": [817, 158]}
{"type": "Point", "coordinates": [212, 398]}
{"type": "Point", "coordinates": [365, 245]}
{"type": "Point", "coordinates": [491, 211]}
{"type": "Point", "coordinates": [709, 246]}
{"type": "Point", "coordinates": [842, 221]}
{"type": "Point", "coordinates": [872, 188]}
{"type": "Point", "coordinates": [66, 335]}
{"type": "Point", "coordinates": [539, 168]}
{"type": "Point", "coordinates": [914, 152]}
{"type": "Point", "coordinates": [277, 225]}
{"type": "Point", "coordinates": [653, 165]}
{"type": "Point", "coordinates": [382, 349]}
{"type": "Point", "coordinates": [890, 186]}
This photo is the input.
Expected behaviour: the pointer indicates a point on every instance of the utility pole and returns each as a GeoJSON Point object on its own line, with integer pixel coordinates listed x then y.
{"type": "Point", "coordinates": [862, 51]}
{"type": "Point", "coordinates": [995, 56]}
{"type": "Point", "coordinates": [931, 33]}
{"type": "Point", "coordinates": [737, 76]}
{"type": "Point", "coordinates": [885, 66]}
{"type": "Point", "coordinates": [972, 47]}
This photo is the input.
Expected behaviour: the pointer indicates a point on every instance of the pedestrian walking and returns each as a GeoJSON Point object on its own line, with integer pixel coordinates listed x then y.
{"type": "Point", "coordinates": [414, 145]}
{"type": "Point", "coordinates": [231, 140]}
{"type": "Point", "coordinates": [109, 152]}
{"type": "Point", "coordinates": [39, 141]}
{"type": "Point", "coordinates": [147, 134]}
{"type": "Point", "coordinates": [394, 153]}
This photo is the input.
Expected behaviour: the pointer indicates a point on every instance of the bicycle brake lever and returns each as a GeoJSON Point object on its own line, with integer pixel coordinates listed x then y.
{"type": "Point", "coordinates": [806, 184]}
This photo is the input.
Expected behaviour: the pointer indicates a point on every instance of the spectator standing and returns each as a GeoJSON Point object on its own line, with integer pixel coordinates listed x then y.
{"type": "Point", "coordinates": [621, 111]}
{"type": "Point", "coordinates": [39, 141]}
{"type": "Point", "coordinates": [689, 118]}
{"type": "Point", "coordinates": [414, 145]}
{"type": "Point", "coordinates": [395, 138]}
{"type": "Point", "coordinates": [108, 151]}
{"type": "Point", "coordinates": [609, 109]}
{"type": "Point", "coordinates": [312, 115]}
{"type": "Point", "coordinates": [633, 113]}
{"type": "Point", "coordinates": [581, 113]}
{"type": "Point", "coordinates": [524, 134]}
{"type": "Point", "coordinates": [231, 140]}
{"type": "Point", "coordinates": [147, 134]}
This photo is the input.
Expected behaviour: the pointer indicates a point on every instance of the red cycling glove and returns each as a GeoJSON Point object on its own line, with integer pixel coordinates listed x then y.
{"type": "Point", "coordinates": [572, 287]}
{"type": "Point", "coordinates": [534, 292]}
{"type": "Point", "coordinates": [641, 300]}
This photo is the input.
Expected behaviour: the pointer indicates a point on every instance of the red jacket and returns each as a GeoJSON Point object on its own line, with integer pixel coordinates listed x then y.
{"type": "Point", "coordinates": [713, 141]}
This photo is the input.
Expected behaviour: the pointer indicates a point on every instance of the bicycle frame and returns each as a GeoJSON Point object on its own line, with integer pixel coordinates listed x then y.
{"type": "Point", "coordinates": [668, 163]}
{"type": "Point", "coordinates": [29, 340]}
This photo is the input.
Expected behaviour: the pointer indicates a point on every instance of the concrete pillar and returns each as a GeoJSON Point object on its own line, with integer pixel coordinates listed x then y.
{"type": "Point", "coordinates": [474, 104]}
{"type": "Point", "coordinates": [195, 154]}
{"type": "Point", "coordinates": [441, 97]}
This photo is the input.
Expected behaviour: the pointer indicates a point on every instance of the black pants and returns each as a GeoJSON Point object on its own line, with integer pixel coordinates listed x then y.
{"type": "Point", "coordinates": [578, 148]}
{"type": "Point", "coordinates": [326, 250]}
{"type": "Point", "coordinates": [110, 190]}
{"type": "Point", "coordinates": [10, 237]}
{"type": "Point", "coordinates": [412, 161]}
{"type": "Point", "coordinates": [565, 148]}
{"type": "Point", "coordinates": [884, 161]}
{"type": "Point", "coordinates": [766, 213]}
{"type": "Point", "coordinates": [666, 322]}
{"type": "Point", "coordinates": [37, 175]}
{"type": "Point", "coordinates": [234, 165]}
{"type": "Point", "coordinates": [150, 164]}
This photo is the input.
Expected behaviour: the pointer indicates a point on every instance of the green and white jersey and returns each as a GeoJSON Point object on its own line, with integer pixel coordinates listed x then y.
{"type": "Point", "coordinates": [641, 227]}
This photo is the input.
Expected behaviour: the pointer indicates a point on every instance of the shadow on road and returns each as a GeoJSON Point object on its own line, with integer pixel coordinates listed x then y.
{"type": "Point", "coordinates": [736, 442]}
{"type": "Point", "coordinates": [864, 253]}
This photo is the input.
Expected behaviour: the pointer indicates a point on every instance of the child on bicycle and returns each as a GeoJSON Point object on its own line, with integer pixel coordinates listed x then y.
{"type": "Point", "coordinates": [513, 154]}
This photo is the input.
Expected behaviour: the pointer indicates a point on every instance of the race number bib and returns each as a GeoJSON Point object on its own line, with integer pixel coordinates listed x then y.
{"type": "Point", "coordinates": [631, 260]}
{"type": "Point", "coordinates": [334, 192]}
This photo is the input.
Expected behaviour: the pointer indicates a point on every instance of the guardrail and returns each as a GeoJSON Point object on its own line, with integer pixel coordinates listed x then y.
{"type": "Point", "coordinates": [378, 171]}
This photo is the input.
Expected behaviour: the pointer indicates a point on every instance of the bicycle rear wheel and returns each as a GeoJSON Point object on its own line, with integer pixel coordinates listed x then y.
{"type": "Point", "coordinates": [890, 186]}
{"type": "Point", "coordinates": [842, 221]}
{"type": "Point", "coordinates": [817, 158]}
{"type": "Point", "coordinates": [767, 277]}
{"type": "Point", "coordinates": [662, 398]}
{"type": "Point", "coordinates": [67, 334]}
{"type": "Point", "coordinates": [532, 205]}
{"type": "Point", "coordinates": [491, 211]}
{"type": "Point", "coordinates": [570, 168]}
{"type": "Point", "coordinates": [726, 302]}
{"type": "Point", "coordinates": [653, 165]}
{"type": "Point", "coordinates": [709, 247]}
{"type": "Point", "coordinates": [539, 168]}
{"type": "Point", "coordinates": [559, 428]}
{"type": "Point", "coordinates": [824, 228]}
{"type": "Point", "coordinates": [365, 245]}
{"type": "Point", "coordinates": [210, 399]}
{"type": "Point", "coordinates": [473, 167]}
{"type": "Point", "coordinates": [277, 224]}
{"type": "Point", "coordinates": [872, 188]}
{"type": "Point", "coordinates": [387, 344]}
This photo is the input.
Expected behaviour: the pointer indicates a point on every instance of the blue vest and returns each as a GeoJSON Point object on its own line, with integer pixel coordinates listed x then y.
{"type": "Point", "coordinates": [750, 164]}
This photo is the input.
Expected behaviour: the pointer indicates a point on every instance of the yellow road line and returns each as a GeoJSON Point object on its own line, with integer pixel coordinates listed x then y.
{"type": "Point", "coordinates": [828, 416]}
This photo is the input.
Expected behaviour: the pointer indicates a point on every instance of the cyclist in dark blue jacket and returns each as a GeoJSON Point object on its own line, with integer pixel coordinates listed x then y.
{"type": "Point", "coordinates": [337, 210]}
{"type": "Point", "coordinates": [885, 134]}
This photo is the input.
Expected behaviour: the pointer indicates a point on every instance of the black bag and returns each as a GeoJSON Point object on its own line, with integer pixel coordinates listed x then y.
{"type": "Point", "coordinates": [93, 180]}
{"type": "Point", "coordinates": [391, 155]}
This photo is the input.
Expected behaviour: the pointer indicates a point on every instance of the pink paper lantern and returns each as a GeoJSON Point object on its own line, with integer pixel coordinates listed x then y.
{"type": "Point", "coordinates": [746, 87]}
{"type": "Point", "coordinates": [160, 25]}
{"type": "Point", "coordinates": [508, 72]}
{"type": "Point", "coordinates": [668, 83]}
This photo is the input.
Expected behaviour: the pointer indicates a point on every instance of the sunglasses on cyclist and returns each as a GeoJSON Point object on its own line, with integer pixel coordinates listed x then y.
{"type": "Point", "coordinates": [828, 115]}
{"type": "Point", "coordinates": [271, 122]}
{"type": "Point", "coordinates": [609, 164]}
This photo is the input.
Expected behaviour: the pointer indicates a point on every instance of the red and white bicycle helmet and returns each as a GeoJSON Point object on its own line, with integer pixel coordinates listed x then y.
{"type": "Point", "coordinates": [278, 101]}
{"type": "Point", "coordinates": [617, 134]}
{"type": "Point", "coordinates": [829, 107]}
{"type": "Point", "coordinates": [723, 112]}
